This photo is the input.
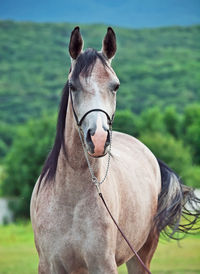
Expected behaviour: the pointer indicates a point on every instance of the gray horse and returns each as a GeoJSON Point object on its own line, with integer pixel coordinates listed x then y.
{"type": "Point", "coordinates": [73, 231]}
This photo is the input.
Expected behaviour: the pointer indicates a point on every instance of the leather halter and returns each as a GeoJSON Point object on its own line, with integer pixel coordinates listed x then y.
{"type": "Point", "coordinates": [79, 122]}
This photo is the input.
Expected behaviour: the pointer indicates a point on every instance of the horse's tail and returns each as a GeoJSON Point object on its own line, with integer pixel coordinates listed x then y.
{"type": "Point", "coordinates": [178, 206]}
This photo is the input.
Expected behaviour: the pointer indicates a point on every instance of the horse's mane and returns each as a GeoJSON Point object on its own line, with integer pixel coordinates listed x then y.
{"type": "Point", "coordinates": [84, 65]}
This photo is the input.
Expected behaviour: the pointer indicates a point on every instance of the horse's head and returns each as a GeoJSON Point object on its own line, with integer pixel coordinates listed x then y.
{"type": "Point", "coordinates": [93, 85]}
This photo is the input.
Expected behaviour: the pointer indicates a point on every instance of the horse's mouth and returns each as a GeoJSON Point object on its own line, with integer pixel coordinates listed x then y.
{"type": "Point", "coordinates": [97, 156]}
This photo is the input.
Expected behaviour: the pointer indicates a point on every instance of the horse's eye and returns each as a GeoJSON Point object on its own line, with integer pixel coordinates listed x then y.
{"type": "Point", "coordinates": [115, 88]}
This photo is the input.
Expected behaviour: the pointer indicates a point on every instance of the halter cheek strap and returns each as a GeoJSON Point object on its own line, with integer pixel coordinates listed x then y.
{"type": "Point", "coordinates": [79, 123]}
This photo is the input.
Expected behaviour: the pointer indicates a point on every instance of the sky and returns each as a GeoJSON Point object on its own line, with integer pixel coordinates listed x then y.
{"type": "Point", "coordinates": [125, 13]}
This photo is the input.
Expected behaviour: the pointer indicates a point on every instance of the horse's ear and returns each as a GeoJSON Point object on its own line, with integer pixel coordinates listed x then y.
{"type": "Point", "coordinates": [76, 43]}
{"type": "Point", "coordinates": [109, 44]}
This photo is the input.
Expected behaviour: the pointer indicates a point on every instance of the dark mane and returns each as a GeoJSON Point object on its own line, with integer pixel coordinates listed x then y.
{"type": "Point", "coordinates": [50, 165]}
{"type": "Point", "coordinates": [85, 64]}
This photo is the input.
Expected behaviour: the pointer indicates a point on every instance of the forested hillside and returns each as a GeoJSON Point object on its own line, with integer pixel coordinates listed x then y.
{"type": "Point", "coordinates": [156, 67]}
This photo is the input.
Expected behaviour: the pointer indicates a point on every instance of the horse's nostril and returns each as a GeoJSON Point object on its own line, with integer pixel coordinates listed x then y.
{"type": "Point", "coordinates": [108, 139]}
{"type": "Point", "coordinates": [88, 137]}
{"type": "Point", "coordinates": [89, 140]}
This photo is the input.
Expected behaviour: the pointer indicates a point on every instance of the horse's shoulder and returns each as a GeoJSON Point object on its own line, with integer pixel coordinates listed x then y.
{"type": "Point", "coordinates": [129, 148]}
{"type": "Point", "coordinates": [129, 141]}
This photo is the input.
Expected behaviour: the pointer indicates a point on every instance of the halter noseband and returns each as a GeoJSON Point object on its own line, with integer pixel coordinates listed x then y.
{"type": "Point", "coordinates": [79, 122]}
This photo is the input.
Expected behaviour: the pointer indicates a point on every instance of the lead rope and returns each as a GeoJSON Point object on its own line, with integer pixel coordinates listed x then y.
{"type": "Point", "coordinates": [98, 184]}
{"type": "Point", "coordinates": [94, 178]}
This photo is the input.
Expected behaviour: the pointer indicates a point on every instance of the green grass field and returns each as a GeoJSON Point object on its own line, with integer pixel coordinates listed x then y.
{"type": "Point", "coordinates": [18, 254]}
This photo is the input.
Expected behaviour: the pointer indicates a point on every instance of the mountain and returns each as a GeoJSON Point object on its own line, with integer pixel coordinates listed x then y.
{"type": "Point", "coordinates": [156, 67]}
{"type": "Point", "coordinates": [129, 13]}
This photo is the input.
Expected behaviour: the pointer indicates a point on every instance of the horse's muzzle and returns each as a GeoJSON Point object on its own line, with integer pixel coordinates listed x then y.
{"type": "Point", "coordinates": [97, 142]}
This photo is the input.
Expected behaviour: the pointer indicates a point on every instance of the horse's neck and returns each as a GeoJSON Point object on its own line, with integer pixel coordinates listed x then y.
{"type": "Point", "coordinates": [74, 151]}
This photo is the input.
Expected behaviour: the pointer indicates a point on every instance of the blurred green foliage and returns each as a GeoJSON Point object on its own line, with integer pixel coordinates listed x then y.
{"type": "Point", "coordinates": [191, 125]}
{"type": "Point", "coordinates": [23, 163]}
{"type": "Point", "coordinates": [7, 133]}
{"type": "Point", "coordinates": [159, 73]}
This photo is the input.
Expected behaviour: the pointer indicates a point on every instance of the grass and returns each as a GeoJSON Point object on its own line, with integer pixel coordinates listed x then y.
{"type": "Point", "coordinates": [17, 250]}
{"type": "Point", "coordinates": [18, 254]}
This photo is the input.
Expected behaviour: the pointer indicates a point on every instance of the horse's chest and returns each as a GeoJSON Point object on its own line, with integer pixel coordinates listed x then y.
{"type": "Point", "coordinates": [69, 231]}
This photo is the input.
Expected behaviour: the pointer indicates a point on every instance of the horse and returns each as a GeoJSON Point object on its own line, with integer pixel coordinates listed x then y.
{"type": "Point", "coordinates": [73, 231]}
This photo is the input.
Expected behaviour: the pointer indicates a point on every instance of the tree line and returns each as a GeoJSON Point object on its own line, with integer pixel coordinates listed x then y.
{"type": "Point", "coordinates": [156, 67]}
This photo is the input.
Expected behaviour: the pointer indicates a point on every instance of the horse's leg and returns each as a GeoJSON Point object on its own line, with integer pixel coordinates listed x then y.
{"type": "Point", "coordinates": [103, 270]}
{"type": "Point", "coordinates": [103, 266]}
{"type": "Point", "coordinates": [54, 268]}
{"type": "Point", "coordinates": [43, 267]}
{"type": "Point", "coordinates": [145, 253]}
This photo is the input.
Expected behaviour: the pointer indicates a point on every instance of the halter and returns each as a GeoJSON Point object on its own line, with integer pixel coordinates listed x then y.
{"type": "Point", "coordinates": [96, 182]}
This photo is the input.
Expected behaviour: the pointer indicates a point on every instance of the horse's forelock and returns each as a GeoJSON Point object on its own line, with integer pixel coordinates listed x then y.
{"type": "Point", "coordinates": [85, 63]}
